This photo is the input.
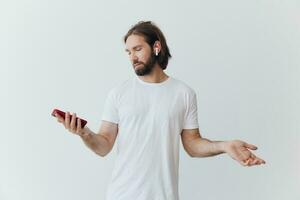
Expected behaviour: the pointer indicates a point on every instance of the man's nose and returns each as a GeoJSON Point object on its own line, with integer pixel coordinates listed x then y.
{"type": "Point", "coordinates": [133, 57]}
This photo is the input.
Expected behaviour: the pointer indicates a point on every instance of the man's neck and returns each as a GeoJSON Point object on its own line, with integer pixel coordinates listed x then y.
{"type": "Point", "coordinates": [157, 75]}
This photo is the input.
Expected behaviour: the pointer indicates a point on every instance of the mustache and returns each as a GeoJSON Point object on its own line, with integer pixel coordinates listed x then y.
{"type": "Point", "coordinates": [135, 63]}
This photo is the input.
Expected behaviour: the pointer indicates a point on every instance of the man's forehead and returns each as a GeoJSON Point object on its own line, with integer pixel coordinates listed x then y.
{"type": "Point", "coordinates": [134, 41]}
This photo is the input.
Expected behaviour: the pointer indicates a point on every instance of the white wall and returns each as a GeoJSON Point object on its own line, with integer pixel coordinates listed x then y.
{"type": "Point", "coordinates": [241, 57]}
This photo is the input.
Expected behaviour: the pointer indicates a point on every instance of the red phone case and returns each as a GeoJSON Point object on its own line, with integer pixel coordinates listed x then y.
{"type": "Point", "coordinates": [63, 114]}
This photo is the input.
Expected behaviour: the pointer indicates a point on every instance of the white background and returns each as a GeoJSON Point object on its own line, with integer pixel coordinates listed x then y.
{"type": "Point", "coordinates": [241, 57]}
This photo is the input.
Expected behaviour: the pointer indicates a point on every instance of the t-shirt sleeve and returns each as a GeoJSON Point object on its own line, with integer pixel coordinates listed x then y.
{"type": "Point", "coordinates": [191, 114]}
{"type": "Point", "coordinates": [110, 111]}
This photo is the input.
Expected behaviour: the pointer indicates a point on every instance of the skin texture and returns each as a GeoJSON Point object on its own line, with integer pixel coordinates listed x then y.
{"type": "Point", "coordinates": [142, 58]}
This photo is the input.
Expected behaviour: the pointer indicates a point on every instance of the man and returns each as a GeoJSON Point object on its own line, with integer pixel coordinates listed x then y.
{"type": "Point", "coordinates": [149, 114]}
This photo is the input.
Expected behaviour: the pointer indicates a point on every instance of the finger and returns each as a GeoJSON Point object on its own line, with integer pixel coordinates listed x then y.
{"type": "Point", "coordinates": [261, 161]}
{"type": "Point", "coordinates": [59, 118]}
{"type": "Point", "coordinates": [254, 161]}
{"type": "Point", "coordinates": [250, 162]}
{"type": "Point", "coordinates": [67, 120]}
{"type": "Point", "coordinates": [244, 162]}
{"type": "Point", "coordinates": [78, 129]}
{"type": "Point", "coordinates": [251, 146]}
{"type": "Point", "coordinates": [258, 160]}
{"type": "Point", "coordinates": [247, 162]}
{"type": "Point", "coordinates": [73, 121]}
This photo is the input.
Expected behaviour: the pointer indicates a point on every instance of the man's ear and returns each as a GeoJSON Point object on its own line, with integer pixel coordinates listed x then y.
{"type": "Point", "coordinates": [157, 46]}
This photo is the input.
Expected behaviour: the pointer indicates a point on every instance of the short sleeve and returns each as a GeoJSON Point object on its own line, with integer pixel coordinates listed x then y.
{"type": "Point", "coordinates": [110, 111]}
{"type": "Point", "coordinates": [191, 114]}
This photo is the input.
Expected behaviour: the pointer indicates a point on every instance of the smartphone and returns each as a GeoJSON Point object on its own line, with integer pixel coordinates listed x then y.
{"type": "Point", "coordinates": [63, 114]}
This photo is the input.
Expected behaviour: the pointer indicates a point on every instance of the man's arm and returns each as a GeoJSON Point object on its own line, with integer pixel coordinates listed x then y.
{"type": "Point", "coordinates": [101, 143]}
{"type": "Point", "coordinates": [196, 146]}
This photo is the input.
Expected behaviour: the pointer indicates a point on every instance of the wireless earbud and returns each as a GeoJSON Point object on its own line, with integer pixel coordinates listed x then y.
{"type": "Point", "coordinates": [156, 51]}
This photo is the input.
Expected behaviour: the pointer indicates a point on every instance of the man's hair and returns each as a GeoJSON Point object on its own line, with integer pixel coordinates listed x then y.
{"type": "Point", "coordinates": [152, 33]}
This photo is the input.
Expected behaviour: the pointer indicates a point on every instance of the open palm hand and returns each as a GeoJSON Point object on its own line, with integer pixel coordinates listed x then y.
{"type": "Point", "coordinates": [240, 151]}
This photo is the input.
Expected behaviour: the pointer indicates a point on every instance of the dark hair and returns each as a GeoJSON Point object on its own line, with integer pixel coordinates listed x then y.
{"type": "Point", "coordinates": [152, 33]}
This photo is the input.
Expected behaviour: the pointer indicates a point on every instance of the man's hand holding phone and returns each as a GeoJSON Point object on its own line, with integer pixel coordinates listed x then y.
{"type": "Point", "coordinates": [72, 123]}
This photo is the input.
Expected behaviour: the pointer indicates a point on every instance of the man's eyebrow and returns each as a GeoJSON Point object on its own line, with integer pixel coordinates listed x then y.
{"type": "Point", "coordinates": [134, 47]}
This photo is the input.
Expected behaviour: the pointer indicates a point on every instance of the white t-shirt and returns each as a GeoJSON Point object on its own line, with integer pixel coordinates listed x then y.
{"type": "Point", "coordinates": [150, 118]}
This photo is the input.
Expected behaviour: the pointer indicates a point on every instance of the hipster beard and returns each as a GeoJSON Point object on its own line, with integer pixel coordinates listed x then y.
{"type": "Point", "coordinates": [147, 67]}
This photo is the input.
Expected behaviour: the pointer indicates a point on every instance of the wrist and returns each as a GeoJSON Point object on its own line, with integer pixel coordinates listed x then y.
{"type": "Point", "coordinates": [87, 134]}
{"type": "Point", "coordinates": [222, 146]}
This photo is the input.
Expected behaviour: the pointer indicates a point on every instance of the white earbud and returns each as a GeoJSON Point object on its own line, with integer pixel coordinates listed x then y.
{"type": "Point", "coordinates": [156, 51]}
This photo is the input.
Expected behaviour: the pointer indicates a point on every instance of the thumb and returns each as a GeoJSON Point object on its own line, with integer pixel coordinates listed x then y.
{"type": "Point", "coordinates": [59, 118]}
{"type": "Point", "coordinates": [251, 146]}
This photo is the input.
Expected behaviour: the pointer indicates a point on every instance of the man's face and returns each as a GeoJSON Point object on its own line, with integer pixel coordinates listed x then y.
{"type": "Point", "coordinates": [140, 54]}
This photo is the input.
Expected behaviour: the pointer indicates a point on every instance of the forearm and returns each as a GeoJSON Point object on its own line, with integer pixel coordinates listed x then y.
{"type": "Point", "coordinates": [97, 143]}
{"type": "Point", "coordinates": [202, 147]}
